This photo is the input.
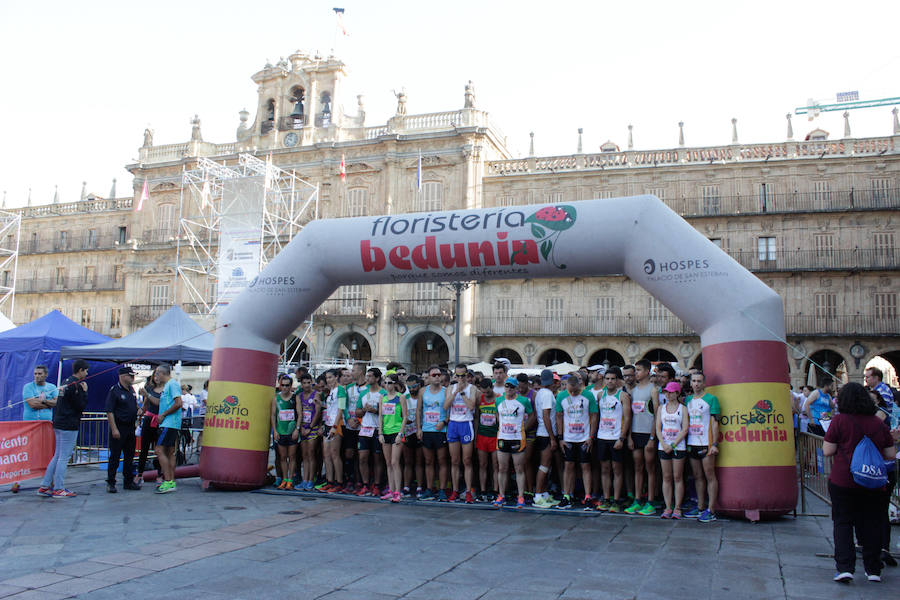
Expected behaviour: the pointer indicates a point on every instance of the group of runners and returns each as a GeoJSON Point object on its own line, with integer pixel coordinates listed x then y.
{"type": "Point", "coordinates": [599, 439]}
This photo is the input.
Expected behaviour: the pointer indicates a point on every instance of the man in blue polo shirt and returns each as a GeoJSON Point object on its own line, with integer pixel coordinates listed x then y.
{"type": "Point", "coordinates": [39, 396]}
{"type": "Point", "coordinates": [169, 426]}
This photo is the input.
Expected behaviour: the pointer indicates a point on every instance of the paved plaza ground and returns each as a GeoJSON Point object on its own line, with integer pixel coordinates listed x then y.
{"type": "Point", "coordinates": [210, 545]}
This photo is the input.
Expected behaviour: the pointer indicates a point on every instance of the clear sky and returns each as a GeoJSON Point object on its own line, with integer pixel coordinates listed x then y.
{"type": "Point", "coordinates": [81, 80]}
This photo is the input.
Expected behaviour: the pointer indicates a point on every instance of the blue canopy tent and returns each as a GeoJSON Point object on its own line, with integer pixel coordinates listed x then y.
{"type": "Point", "coordinates": [39, 343]}
{"type": "Point", "coordinates": [172, 337]}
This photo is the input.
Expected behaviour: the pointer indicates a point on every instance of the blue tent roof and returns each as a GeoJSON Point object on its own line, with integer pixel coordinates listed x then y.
{"type": "Point", "coordinates": [39, 343]}
{"type": "Point", "coordinates": [172, 337]}
{"type": "Point", "coordinates": [48, 333]}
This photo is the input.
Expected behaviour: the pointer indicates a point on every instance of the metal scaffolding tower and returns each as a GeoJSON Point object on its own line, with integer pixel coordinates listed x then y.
{"type": "Point", "coordinates": [10, 227]}
{"type": "Point", "coordinates": [288, 204]}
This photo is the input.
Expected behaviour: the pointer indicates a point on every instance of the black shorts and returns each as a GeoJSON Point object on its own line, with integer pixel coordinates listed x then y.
{"type": "Point", "coordinates": [285, 440]}
{"type": "Point", "coordinates": [350, 439]}
{"type": "Point", "coordinates": [412, 441]}
{"type": "Point", "coordinates": [678, 454]}
{"type": "Point", "coordinates": [698, 452]}
{"type": "Point", "coordinates": [370, 443]}
{"type": "Point", "coordinates": [541, 443]}
{"type": "Point", "coordinates": [511, 446]}
{"type": "Point", "coordinates": [168, 437]}
{"type": "Point", "coordinates": [390, 438]}
{"type": "Point", "coordinates": [434, 440]}
{"type": "Point", "coordinates": [640, 440]}
{"type": "Point", "coordinates": [576, 452]}
{"type": "Point", "coordinates": [605, 450]}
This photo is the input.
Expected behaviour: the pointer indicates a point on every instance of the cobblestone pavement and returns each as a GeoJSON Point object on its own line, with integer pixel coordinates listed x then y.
{"type": "Point", "coordinates": [195, 544]}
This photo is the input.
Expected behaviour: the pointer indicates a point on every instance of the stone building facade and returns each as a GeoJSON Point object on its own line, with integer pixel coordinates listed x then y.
{"type": "Point", "coordinates": [815, 219]}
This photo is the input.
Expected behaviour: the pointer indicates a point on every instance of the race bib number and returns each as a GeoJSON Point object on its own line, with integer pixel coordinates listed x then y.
{"type": "Point", "coordinates": [607, 424]}
{"type": "Point", "coordinates": [367, 431]}
{"type": "Point", "coordinates": [307, 415]}
{"type": "Point", "coordinates": [432, 416]}
{"type": "Point", "coordinates": [286, 415]}
{"type": "Point", "coordinates": [388, 409]}
{"type": "Point", "coordinates": [576, 428]}
{"type": "Point", "coordinates": [696, 429]}
{"type": "Point", "coordinates": [670, 434]}
{"type": "Point", "coordinates": [637, 405]}
{"type": "Point", "coordinates": [695, 423]}
{"type": "Point", "coordinates": [509, 428]}
{"type": "Point", "coordinates": [459, 410]}
{"type": "Point", "coordinates": [488, 419]}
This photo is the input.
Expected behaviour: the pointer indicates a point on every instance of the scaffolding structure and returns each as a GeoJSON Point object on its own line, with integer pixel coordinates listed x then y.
{"type": "Point", "coordinates": [289, 203]}
{"type": "Point", "coordinates": [10, 228]}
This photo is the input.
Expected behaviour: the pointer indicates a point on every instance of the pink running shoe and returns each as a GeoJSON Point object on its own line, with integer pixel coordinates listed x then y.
{"type": "Point", "coordinates": [388, 494]}
{"type": "Point", "coordinates": [396, 497]}
{"type": "Point", "coordinates": [667, 514]}
{"type": "Point", "coordinates": [64, 494]}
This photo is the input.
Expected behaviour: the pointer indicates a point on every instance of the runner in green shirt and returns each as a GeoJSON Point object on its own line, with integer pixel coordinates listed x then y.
{"type": "Point", "coordinates": [284, 430]}
{"type": "Point", "coordinates": [391, 417]}
{"type": "Point", "coordinates": [486, 438]}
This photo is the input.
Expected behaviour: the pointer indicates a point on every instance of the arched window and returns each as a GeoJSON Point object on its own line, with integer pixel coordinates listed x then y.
{"type": "Point", "coordinates": [325, 115]}
{"type": "Point", "coordinates": [270, 110]}
{"type": "Point", "coordinates": [430, 197]}
{"type": "Point", "coordinates": [268, 124]}
{"type": "Point", "coordinates": [298, 95]}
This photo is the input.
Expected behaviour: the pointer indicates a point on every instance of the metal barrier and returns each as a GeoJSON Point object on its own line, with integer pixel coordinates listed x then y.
{"type": "Point", "coordinates": [92, 446]}
{"type": "Point", "coordinates": [815, 467]}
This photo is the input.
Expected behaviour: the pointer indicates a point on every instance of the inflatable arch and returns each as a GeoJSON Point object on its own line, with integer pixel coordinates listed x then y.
{"type": "Point", "coordinates": [740, 320]}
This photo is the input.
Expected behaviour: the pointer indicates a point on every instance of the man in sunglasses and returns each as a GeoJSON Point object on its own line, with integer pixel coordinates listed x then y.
{"type": "Point", "coordinates": [514, 415]}
{"type": "Point", "coordinates": [284, 430]}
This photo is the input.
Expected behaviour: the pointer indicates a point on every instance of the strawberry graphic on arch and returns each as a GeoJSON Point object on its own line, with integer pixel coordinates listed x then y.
{"type": "Point", "coordinates": [547, 224]}
{"type": "Point", "coordinates": [764, 406]}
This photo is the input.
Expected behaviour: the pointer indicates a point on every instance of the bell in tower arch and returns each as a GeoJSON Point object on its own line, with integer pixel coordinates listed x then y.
{"type": "Point", "coordinates": [297, 99]}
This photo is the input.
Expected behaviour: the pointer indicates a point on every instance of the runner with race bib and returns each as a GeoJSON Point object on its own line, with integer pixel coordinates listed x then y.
{"type": "Point", "coordinates": [703, 446]}
{"type": "Point", "coordinates": [672, 429]}
{"type": "Point", "coordinates": [514, 414]}
{"type": "Point", "coordinates": [576, 418]}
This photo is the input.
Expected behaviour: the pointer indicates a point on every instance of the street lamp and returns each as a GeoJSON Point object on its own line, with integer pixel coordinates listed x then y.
{"type": "Point", "coordinates": [457, 287]}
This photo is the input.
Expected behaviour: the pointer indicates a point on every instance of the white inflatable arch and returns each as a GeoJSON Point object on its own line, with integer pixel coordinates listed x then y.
{"type": "Point", "coordinates": [740, 320]}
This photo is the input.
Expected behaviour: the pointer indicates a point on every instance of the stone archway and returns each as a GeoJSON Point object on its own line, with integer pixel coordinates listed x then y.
{"type": "Point", "coordinates": [552, 356]}
{"type": "Point", "coordinates": [660, 355]}
{"type": "Point", "coordinates": [341, 344]}
{"type": "Point", "coordinates": [822, 364]}
{"type": "Point", "coordinates": [413, 348]}
{"type": "Point", "coordinates": [607, 356]}
{"type": "Point", "coordinates": [511, 355]}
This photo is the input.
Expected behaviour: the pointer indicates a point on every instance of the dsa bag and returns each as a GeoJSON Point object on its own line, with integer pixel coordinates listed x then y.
{"type": "Point", "coordinates": [867, 465]}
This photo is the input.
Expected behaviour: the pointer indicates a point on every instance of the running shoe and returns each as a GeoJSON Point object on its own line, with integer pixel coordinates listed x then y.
{"type": "Point", "coordinates": [615, 507]}
{"type": "Point", "coordinates": [442, 496]}
{"type": "Point", "coordinates": [163, 488]}
{"type": "Point", "coordinates": [387, 495]}
{"type": "Point", "coordinates": [373, 491]}
{"type": "Point", "coordinates": [288, 485]}
{"type": "Point", "coordinates": [418, 493]}
{"type": "Point", "coordinates": [873, 578]}
{"type": "Point", "coordinates": [469, 498]}
{"type": "Point", "coordinates": [693, 513]}
{"type": "Point", "coordinates": [677, 514]}
{"type": "Point", "coordinates": [604, 505]}
{"type": "Point", "coordinates": [64, 493]}
{"type": "Point", "coordinates": [553, 501]}
{"type": "Point", "coordinates": [278, 483]}
{"type": "Point", "coordinates": [543, 502]}
{"type": "Point", "coordinates": [349, 488]}
{"type": "Point", "coordinates": [589, 503]}
{"type": "Point", "coordinates": [427, 495]}
{"type": "Point", "coordinates": [666, 514]}
{"type": "Point", "coordinates": [454, 496]}
{"type": "Point", "coordinates": [565, 503]}
{"type": "Point", "coordinates": [499, 501]}
{"type": "Point", "coordinates": [648, 510]}
{"type": "Point", "coordinates": [844, 577]}
{"type": "Point", "coordinates": [405, 493]}
{"type": "Point", "coordinates": [707, 517]}
{"type": "Point", "coordinates": [634, 508]}
{"type": "Point", "coordinates": [321, 486]}
{"type": "Point", "coordinates": [395, 497]}
{"type": "Point", "coordinates": [45, 491]}
{"type": "Point", "coordinates": [520, 502]}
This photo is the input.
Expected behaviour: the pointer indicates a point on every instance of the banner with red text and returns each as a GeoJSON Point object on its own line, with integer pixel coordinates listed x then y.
{"type": "Point", "coordinates": [25, 449]}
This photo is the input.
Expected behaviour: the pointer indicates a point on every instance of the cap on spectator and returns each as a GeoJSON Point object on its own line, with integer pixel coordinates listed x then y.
{"type": "Point", "coordinates": [505, 361]}
{"type": "Point", "coordinates": [673, 386]}
{"type": "Point", "coordinates": [556, 377]}
{"type": "Point", "coordinates": [126, 371]}
{"type": "Point", "coordinates": [512, 381]}
{"type": "Point", "coordinates": [547, 377]}
{"type": "Point", "coordinates": [600, 368]}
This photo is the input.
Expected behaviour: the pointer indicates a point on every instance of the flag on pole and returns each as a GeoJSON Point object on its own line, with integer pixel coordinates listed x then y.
{"type": "Point", "coordinates": [204, 195]}
{"type": "Point", "coordinates": [343, 168]}
{"type": "Point", "coordinates": [339, 13]}
{"type": "Point", "coordinates": [419, 172]}
{"type": "Point", "coordinates": [145, 195]}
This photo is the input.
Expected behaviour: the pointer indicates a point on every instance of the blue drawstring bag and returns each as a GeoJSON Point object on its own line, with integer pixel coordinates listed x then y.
{"type": "Point", "coordinates": [867, 465]}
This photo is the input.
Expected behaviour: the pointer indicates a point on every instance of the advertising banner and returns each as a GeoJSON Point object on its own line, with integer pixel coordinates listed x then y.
{"type": "Point", "coordinates": [25, 449]}
{"type": "Point", "coordinates": [239, 237]}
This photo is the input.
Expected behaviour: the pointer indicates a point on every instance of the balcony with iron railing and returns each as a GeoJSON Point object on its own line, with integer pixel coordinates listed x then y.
{"type": "Point", "coordinates": [850, 259]}
{"type": "Point", "coordinates": [140, 315]}
{"type": "Point", "coordinates": [439, 309]}
{"type": "Point", "coordinates": [165, 235]}
{"type": "Point", "coordinates": [68, 284]}
{"type": "Point", "coordinates": [783, 203]}
{"type": "Point", "coordinates": [644, 326]}
{"type": "Point", "coordinates": [78, 243]}
{"type": "Point", "coordinates": [348, 308]}
{"type": "Point", "coordinates": [290, 122]}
